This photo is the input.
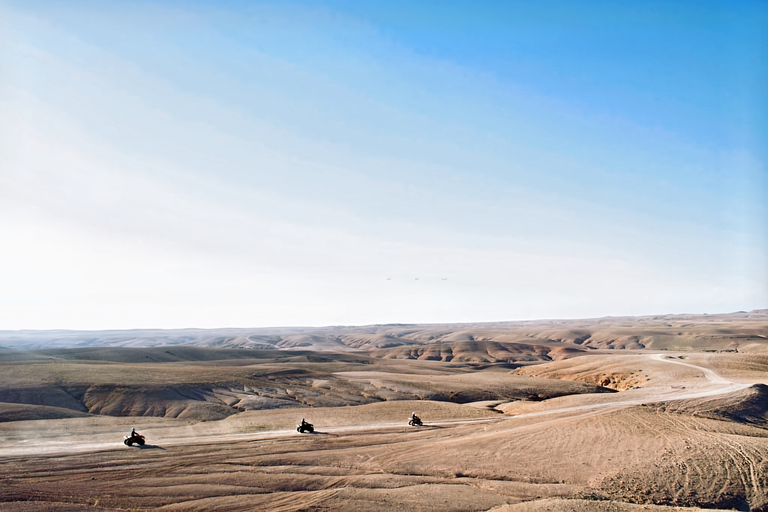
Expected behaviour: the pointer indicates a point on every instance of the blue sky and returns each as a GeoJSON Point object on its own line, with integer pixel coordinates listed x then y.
{"type": "Point", "coordinates": [211, 164]}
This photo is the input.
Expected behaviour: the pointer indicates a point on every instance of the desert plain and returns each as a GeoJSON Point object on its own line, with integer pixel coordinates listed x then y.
{"type": "Point", "coordinates": [653, 413]}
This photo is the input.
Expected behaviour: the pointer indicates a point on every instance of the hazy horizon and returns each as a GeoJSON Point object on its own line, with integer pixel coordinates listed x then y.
{"type": "Point", "coordinates": [203, 164]}
{"type": "Point", "coordinates": [275, 328]}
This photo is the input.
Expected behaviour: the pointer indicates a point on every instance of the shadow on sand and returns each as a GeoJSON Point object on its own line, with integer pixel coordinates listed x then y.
{"type": "Point", "coordinates": [148, 447]}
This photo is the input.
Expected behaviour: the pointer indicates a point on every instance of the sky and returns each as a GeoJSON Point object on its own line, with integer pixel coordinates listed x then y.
{"type": "Point", "coordinates": [169, 164]}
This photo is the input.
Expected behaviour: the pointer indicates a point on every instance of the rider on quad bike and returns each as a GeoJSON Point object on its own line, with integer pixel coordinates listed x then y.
{"type": "Point", "coordinates": [414, 420]}
{"type": "Point", "coordinates": [135, 437]}
{"type": "Point", "coordinates": [305, 427]}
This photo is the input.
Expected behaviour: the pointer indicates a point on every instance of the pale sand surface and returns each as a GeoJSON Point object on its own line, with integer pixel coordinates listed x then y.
{"type": "Point", "coordinates": [595, 451]}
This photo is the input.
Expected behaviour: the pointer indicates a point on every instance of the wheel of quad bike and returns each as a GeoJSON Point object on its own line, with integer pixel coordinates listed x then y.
{"type": "Point", "coordinates": [128, 442]}
{"type": "Point", "coordinates": [310, 429]}
{"type": "Point", "coordinates": [140, 442]}
{"type": "Point", "coordinates": [299, 430]}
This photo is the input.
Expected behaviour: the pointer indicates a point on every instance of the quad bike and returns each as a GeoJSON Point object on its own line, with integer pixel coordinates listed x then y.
{"type": "Point", "coordinates": [135, 438]}
{"type": "Point", "coordinates": [305, 427]}
{"type": "Point", "coordinates": [415, 422]}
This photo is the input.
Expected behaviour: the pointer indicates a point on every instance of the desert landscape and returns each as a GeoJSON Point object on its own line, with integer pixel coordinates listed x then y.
{"type": "Point", "coordinates": [541, 227]}
{"type": "Point", "coordinates": [624, 414]}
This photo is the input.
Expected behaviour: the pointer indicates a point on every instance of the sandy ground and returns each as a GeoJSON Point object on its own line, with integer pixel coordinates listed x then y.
{"type": "Point", "coordinates": [617, 451]}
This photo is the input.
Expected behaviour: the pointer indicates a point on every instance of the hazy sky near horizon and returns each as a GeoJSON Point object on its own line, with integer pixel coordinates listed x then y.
{"type": "Point", "coordinates": [213, 164]}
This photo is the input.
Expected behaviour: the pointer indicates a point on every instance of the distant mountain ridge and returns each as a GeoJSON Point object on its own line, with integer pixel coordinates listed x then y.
{"type": "Point", "coordinates": [547, 339]}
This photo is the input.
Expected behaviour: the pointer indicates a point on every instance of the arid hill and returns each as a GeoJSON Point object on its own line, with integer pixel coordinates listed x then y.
{"type": "Point", "coordinates": [742, 331]}
{"type": "Point", "coordinates": [624, 451]}
{"type": "Point", "coordinates": [664, 413]}
{"type": "Point", "coordinates": [748, 406]}
{"type": "Point", "coordinates": [208, 384]}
